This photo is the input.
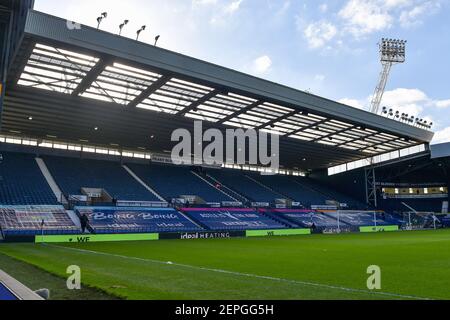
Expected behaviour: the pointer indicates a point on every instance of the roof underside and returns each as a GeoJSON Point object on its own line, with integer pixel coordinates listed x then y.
{"type": "Point", "coordinates": [72, 81]}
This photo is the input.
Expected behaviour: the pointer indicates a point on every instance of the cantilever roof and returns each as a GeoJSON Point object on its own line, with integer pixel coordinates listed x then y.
{"type": "Point", "coordinates": [70, 81]}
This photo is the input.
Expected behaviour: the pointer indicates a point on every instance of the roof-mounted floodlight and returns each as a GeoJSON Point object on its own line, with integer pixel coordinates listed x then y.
{"type": "Point", "coordinates": [139, 32]}
{"type": "Point", "coordinates": [156, 39]}
{"type": "Point", "coordinates": [104, 15]}
{"type": "Point", "coordinates": [123, 24]}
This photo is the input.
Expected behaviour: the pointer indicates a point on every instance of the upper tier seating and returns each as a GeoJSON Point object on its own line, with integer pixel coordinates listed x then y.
{"type": "Point", "coordinates": [136, 220]}
{"type": "Point", "coordinates": [240, 183]}
{"type": "Point", "coordinates": [232, 219]}
{"type": "Point", "coordinates": [330, 193]}
{"type": "Point", "coordinates": [27, 220]}
{"type": "Point", "coordinates": [295, 191]}
{"type": "Point", "coordinates": [174, 181]}
{"type": "Point", "coordinates": [72, 174]}
{"type": "Point", "coordinates": [22, 182]}
{"type": "Point", "coordinates": [307, 218]}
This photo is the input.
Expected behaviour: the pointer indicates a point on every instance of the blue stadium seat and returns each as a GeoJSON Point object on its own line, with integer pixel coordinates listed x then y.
{"type": "Point", "coordinates": [27, 220]}
{"type": "Point", "coordinates": [106, 220]}
{"type": "Point", "coordinates": [22, 182]}
{"type": "Point", "coordinates": [173, 181]}
{"type": "Point", "coordinates": [72, 174]}
{"type": "Point", "coordinates": [232, 219]}
{"type": "Point", "coordinates": [307, 218]}
{"type": "Point", "coordinates": [243, 185]}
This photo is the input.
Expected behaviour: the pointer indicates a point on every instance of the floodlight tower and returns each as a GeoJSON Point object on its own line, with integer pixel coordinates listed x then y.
{"type": "Point", "coordinates": [392, 51]}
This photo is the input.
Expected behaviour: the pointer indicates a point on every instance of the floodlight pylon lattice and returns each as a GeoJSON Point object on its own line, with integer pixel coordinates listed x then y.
{"type": "Point", "coordinates": [392, 51]}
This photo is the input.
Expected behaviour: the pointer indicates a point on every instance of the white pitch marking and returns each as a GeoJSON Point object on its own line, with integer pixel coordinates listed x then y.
{"type": "Point", "coordinates": [248, 275]}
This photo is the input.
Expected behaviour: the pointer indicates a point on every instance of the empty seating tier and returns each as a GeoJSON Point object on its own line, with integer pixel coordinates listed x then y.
{"type": "Point", "coordinates": [22, 182]}
{"type": "Point", "coordinates": [106, 220]}
{"type": "Point", "coordinates": [33, 220]}
{"type": "Point", "coordinates": [175, 181]}
{"type": "Point", "coordinates": [232, 219]}
{"type": "Point", "coordinates": [358, 219]}
{"type": "Point", "coordinates": [72, 174]}
{"type": "Point", "coordinates": [307, 219]}
{"type": "Point", "coordinates": [238, 182]}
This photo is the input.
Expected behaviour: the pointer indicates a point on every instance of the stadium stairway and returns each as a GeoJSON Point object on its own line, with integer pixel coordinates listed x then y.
{"type": "Point", "coordinates": [74, 217]}
{"type": "Point", "coordinates": [279, 219]}
{"type": "Point", "coordinates": [139, 180]}
{"type": "Point", "coordinates": [282, 196]}
{"type": "Point", "coordinates": [239, 197]}
{"type": "Point", "coordinates": [237, 182]}
{"type": "Point", "coordinates": [51, 182]}
{"type": "Point", "coordinates": [212, 185]}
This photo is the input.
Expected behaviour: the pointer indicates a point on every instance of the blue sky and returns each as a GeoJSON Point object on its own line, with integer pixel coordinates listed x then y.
{"type": "Point", "coordinates": [326, 47]}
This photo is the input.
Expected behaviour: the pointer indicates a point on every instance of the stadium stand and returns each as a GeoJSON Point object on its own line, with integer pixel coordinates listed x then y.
{"type": "Point", "coordinates": [106, 220]}
{"type": "Point", "coordinates": [292, 190]}
{"type": "Point", "coordinates": [22, 182]}
{"type": "Point", "coordinates": [72, 174]}
{"type": "Point", "coordinates": [27, 220]}
{"type": "Point", "coordinates": [306, 218]}
{"type": "Point", "coordinates": [241, 184]}
{"type": "Point", "coordinates": [175, 181]}
{"type": "Point", "coordinates": [358, 219]}
{"type": "Point", "coordinates": [232, 219]}
{"type": "Point", "coordinates": [328, 193]}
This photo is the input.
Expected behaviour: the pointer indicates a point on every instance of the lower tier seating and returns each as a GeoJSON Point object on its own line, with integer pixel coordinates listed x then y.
{"type": "Point", "coordinates": [232, 219]}
{"type": "Point", "coordinates": [307, 218]}
{"type": "Point", "coordinates": [136, 220]}
{"type": "Point", "coordinates": [358, 219]}
{"type": "Point", "coordinates": [32, 220]}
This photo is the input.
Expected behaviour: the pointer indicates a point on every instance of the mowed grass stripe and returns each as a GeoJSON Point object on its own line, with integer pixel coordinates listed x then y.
{"type": "Point", "coordinates": [294, 282]}
{"type": "Point", "coordinates": [414, 264]}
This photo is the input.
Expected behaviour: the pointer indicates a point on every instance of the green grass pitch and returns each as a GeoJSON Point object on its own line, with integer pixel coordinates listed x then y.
{"type": "Point", "coordinates": [413, 265]}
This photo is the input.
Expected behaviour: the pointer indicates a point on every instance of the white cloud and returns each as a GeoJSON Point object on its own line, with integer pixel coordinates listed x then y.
{"type": "Point", "coordinates": [233, 6]}
{"type": "Point", "coordinates": [412, 16]}
{"type": "Point", "coordinates": [443, 103]}
{"type": "Point", "coordinates": [262, 64]}
{"type": "Point", "coordinates": [319, 33]}
{"type": "Point", "coordinates": [397, 3]}
{"type": "Point", "coordinates": [365, 16]}
{"type": "Point", "coordinates": [410, 101]}
{"type": "Point", "coordinates": [442, 136]}
{"type": "Point", "coordinates": [319, 77]}
{"type": "Point", "coordinates": [352, 103]}
{"type": "Point", "coordinates": [323, 7]}
{"type": "Point", "coordinates": [204, 2]}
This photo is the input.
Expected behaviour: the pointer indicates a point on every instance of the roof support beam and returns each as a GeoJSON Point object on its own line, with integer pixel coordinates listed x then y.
{"type": "Point", "coordinates": [307, 127]}
{"type": "Point", "coordinates": [359, 138]}
{"type": "Point", "coordinates": [334, 133]}
{"type": "Point", "coordinates": [199, 102]}
{"type": "Point", "coordinates": [149, 91]}
{"type": "Point", "coordinates": [90, 78]}
{"type": "Point", "coordinates": [272, 122]}
{"type": "Point", "coordinates": [375, 147]}
{"type": "Point", "coordinates": [243, 110]}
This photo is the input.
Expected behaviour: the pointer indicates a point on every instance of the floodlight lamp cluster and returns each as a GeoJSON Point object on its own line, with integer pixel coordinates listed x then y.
{"type": "Point", "coordinates": [393, 50]}
{"type": "Point", "coordinates": [104, 15]}
{"type": "Point", "coordinates": [404, 117]}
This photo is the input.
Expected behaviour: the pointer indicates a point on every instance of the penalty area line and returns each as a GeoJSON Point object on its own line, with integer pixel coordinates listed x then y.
{"type": "Point", "coordinates": [241, 274]}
